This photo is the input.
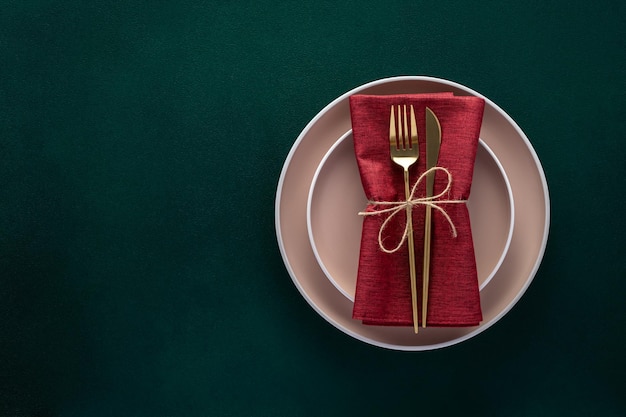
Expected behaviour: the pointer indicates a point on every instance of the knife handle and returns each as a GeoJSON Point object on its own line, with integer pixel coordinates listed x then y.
{"type": "Point", "coordinates": [426, 269]}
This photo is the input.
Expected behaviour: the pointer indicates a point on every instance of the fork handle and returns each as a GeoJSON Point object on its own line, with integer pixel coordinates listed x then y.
{"type": "Point", "coordinates": [409, 222]}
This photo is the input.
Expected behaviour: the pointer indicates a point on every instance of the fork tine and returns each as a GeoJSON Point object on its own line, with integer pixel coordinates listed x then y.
{"type": "Point", "coordinates": [414, 138]}
{"type": "Point", "coordinates": [405, 134]}
{"type": "Point", "coordinates": [393, 143]}
{"type": "Point", "coordinates": [400, 131]}
{"type": "Point", "coordinates": [399, 126]}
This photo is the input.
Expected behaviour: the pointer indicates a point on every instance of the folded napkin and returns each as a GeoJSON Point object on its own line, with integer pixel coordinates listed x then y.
{"type": "Point", "coordinates": [383, 292]}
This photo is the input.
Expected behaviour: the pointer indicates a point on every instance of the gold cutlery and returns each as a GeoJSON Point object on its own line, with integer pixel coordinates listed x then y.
{"type": "Point", "coordinates": [404, 149]}
{"type": "Point", "coordinates": [433, 143]}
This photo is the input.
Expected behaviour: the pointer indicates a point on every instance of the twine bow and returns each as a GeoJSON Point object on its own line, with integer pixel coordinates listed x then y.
{"type": "Point", "coordinates": [396, 207]}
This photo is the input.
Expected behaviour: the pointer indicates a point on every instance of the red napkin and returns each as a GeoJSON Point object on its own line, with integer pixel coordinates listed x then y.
{"type": "Point", "coordinates": [383, 292]}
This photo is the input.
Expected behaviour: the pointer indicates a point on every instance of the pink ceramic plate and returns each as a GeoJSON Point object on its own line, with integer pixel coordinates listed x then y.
{"type": "Point", "coordinates": [532, 218]}
{"type": "Point", "coordinates": [336, 196]}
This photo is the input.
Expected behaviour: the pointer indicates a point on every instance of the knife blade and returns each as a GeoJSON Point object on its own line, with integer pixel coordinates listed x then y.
{"type": "Point", "coordinates": [433, 144]}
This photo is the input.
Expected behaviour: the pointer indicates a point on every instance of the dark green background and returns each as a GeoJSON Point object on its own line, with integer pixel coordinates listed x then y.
{"type": "Point", "coordinates": [139, 269]}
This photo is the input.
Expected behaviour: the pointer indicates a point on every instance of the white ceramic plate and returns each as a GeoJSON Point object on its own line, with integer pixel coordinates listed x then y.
{"type": "Point", "coordinates": [530, 234]}
{"type": "Point", "coordinates": [336, 196]}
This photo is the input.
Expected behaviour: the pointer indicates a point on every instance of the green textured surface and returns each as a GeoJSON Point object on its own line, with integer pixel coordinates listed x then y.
{"type": "Point", "coordinates": [139, 270]}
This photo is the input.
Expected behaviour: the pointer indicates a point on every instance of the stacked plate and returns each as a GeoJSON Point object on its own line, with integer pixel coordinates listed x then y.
{"type": "Point", "coordinates": [318, 230]}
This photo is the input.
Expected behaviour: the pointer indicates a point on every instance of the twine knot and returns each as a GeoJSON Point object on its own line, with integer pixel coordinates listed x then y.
{"type": "Point", "coordinates": [396, 207]}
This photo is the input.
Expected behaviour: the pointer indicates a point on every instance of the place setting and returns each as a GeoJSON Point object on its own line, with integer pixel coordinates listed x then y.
{"type": "Point", "coordinates": [412, 213]}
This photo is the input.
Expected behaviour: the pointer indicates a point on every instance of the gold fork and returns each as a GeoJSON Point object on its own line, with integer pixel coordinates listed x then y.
{"type": "Point", "coordinates": [404, 151]}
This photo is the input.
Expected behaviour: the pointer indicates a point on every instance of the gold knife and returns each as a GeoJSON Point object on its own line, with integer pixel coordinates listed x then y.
{"type": "Point", "coordinates": [433, 143]}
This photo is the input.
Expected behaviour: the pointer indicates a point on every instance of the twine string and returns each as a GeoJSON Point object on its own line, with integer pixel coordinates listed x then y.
{"type": "Point", "coordinates": [395, 207]}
